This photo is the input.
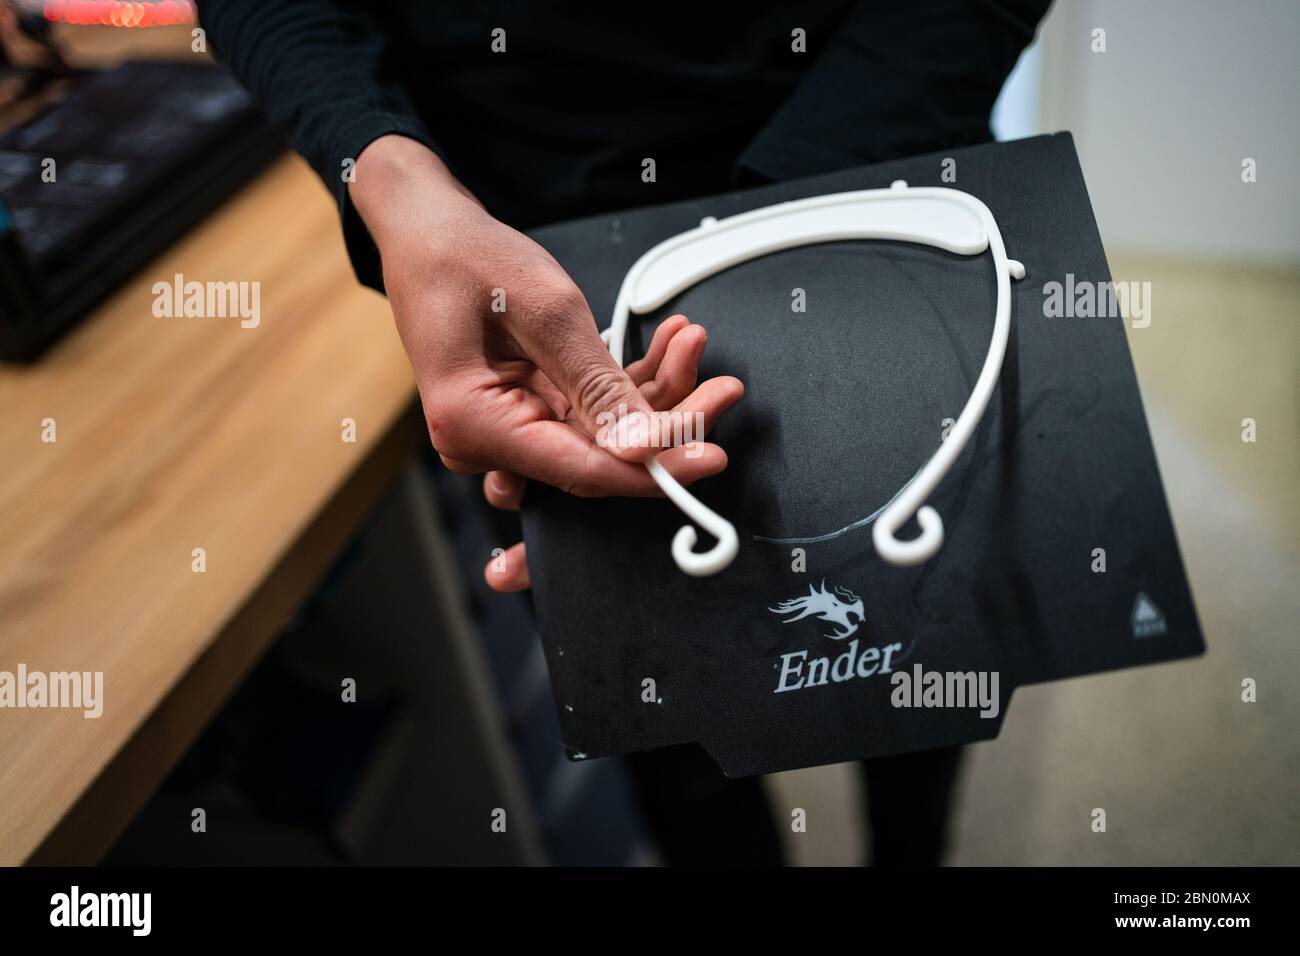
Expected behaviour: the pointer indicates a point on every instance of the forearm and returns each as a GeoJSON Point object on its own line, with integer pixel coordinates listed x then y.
{"type": "Point", "coordinates": [316, 69]}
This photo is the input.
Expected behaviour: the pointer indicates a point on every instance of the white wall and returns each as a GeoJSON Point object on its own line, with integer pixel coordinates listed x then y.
{"type": "Point", "coordinates": [1163, 119]}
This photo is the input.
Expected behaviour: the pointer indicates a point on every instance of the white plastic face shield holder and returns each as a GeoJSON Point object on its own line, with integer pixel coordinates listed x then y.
{"type": "Point", "coordinates": [947, 219]}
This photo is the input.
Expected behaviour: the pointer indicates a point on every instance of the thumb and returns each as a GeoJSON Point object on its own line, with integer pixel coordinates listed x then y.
{"type": "Point", "coordinates": [604, 400]}
{"type": "Point", "coordinates": [613, 410]}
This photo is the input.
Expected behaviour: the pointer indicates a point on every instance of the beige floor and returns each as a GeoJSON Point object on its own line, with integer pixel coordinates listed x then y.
{"type": "Point", "coordinates": [1187, 772]}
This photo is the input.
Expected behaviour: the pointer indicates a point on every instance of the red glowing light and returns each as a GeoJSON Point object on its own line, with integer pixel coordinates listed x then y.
{"type": "Point", "coordinates": [120, 13]}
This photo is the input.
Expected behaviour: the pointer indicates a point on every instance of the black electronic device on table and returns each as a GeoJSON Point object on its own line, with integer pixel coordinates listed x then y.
{"type": "Point", "coordinates": [140, 153]}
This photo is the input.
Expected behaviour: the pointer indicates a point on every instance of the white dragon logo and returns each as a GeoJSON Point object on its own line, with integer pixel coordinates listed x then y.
{"type": "Point", "coordinates": [827, 607]}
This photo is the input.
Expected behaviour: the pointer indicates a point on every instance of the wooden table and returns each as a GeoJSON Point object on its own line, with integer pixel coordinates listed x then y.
{"type": "Point", "coordinates": [174, 434]}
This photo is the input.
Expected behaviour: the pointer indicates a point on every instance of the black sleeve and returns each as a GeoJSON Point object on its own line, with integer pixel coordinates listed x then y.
{"type": "Point", "coordinates": [316, 68]}
{"type": "Point", "coordinates": [896, 79]}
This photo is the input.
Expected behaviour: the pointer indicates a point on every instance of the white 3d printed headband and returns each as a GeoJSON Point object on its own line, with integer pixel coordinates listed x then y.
{"type": "Point", "coordinates": [947, 219]}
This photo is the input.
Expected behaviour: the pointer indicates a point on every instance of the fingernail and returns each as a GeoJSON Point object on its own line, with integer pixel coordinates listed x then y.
{"type": "Point", "coordinates": [632, 431]}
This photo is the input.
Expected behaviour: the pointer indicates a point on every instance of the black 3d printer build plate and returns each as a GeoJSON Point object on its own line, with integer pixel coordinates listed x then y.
{"type": "Point", "coordinates": [844, 402]}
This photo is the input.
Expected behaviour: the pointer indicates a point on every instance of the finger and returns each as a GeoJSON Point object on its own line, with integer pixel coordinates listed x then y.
{"type": "Point", "coordinates": [644, 369]}
{"type": "Point", "coordinates": [504, 489]}
{"type": "Point", "coordinates": [642, 372]}
{"type": "Point", "coordinates": [469, 421]}
{"type": "Point", "coordinates": [708, 402]}
{"type": "Point", "coordinates": [545, 389]}
{"type": "Point", "coordinates": [562, 341]}
{"type": "Point", "coordinates": [677, 373]}
{"type": "Point", "coordinates": [459, 466]}
{"type": "Point", "coordinates": [689, 463]}
{"type": "Point", "coordinates": [512, 431]}
{"type": "Point", "coordinates": [508, 571]}
{"type": "Point", "coordinates": [563, 456]}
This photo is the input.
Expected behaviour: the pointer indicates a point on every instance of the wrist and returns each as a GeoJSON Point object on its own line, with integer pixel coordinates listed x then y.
{"type": "Point", "coordinates": [402, 188]}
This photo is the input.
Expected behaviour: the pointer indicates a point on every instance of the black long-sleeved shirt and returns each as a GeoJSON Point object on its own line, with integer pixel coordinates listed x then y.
{"type": "Point", "coordinates": [559, 122]}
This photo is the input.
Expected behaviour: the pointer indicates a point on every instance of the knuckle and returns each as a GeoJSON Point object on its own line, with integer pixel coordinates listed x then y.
{"type": "Point", "coordinates": [446, 444]}
{"type": "Point", "coordinates": [445, 432]}
{"type": "Point", "coordinates": [455, 466]}
{"type": "Point", "coordinates": [579, 488]}
{"type": "Point", "coordinates": [555, 301]}
{"type": "Point", "coordinates": [449, 446]}
{"type": "Point", "coordinates": [599, 388]}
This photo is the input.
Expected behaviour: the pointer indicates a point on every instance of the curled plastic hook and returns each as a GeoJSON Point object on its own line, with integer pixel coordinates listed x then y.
{"type": "Point", "coordinates": [695, 563]}
{"type": "Point", "coordinates": [918, 550]}
{"type": "Point", "coordinates": [699, 564]}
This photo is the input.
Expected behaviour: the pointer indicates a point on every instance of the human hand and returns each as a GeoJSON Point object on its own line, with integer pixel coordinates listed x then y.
{"type": "Point", "coordinates": [513, 376]}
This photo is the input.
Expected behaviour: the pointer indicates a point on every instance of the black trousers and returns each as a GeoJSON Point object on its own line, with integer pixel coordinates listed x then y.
{"type": "Point", "coordinates": [700, 818]}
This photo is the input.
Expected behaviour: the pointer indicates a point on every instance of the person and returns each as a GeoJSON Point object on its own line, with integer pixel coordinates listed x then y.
{"type": "Point", "coordinates": [444, 129]}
